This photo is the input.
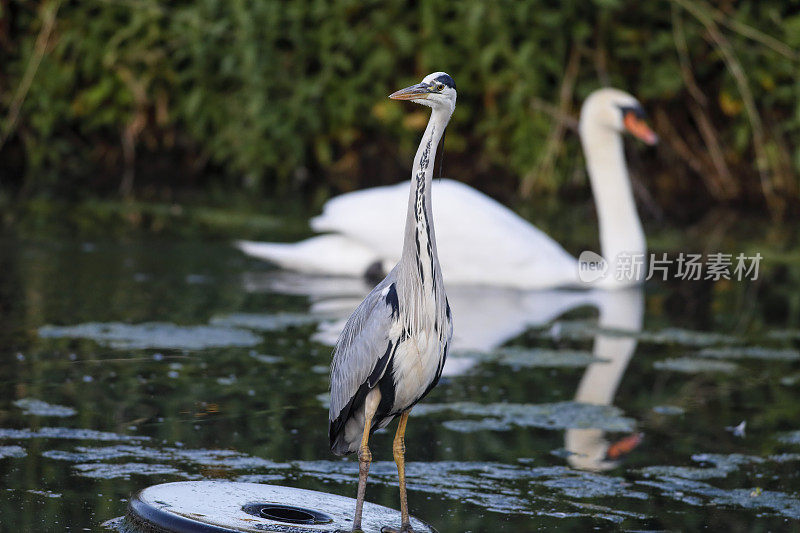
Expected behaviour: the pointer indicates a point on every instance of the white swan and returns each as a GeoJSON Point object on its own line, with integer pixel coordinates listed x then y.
{"type": "Point", "coordinates": [483, 242]}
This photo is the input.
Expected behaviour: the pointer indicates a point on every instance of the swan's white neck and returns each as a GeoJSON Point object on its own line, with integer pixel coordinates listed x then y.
{"type": "Point", "coordinates": [620, 228]}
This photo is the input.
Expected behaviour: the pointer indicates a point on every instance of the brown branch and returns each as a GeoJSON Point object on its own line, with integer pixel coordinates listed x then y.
{"type": "Point", "coordinates": [600, 55]}
{"type": "Point", "coordinates": [565, 119]}
{"type": "Point", "coordinates": [134, 127]}
{"type": "Point", "coordinates": [784, 159]}
{"type": "Point", "coordinates": [48, 15]}
{"type": "Point", "coordinates": [722, 184]}
{"type": "Point", "coordinates": [645, 199]}
{"type": "Point", "coordinates": [727, 185]}
{"type": "Point", "coordinates": [5, 25]}
{"type": "Point", "coordinates": [774, 202]}
{"type": "Point", "coordinates": [677, 143]}
{"type": "Point", "coordinates": [679, 36]}
{"type": "Point", "coordinates": [756, 35]}
{"type": "Point", "coordinates": [556, 137]}
{"type": "Point", "coordinates": [129, 136]}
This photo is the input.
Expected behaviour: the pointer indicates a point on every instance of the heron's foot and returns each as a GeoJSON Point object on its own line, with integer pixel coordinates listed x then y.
{"type": "Point", "coordinates": [403, 529]}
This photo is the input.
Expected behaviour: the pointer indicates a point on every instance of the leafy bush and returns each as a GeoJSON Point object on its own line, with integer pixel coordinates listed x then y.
{"type": "Point", "coordinates": [283, 94]}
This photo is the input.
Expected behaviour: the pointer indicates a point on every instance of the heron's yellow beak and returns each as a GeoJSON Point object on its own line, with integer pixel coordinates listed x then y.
{"type": "Point", "coordinates": [639, 128]}
{"type": "Point", "coordinates": [415, 92]}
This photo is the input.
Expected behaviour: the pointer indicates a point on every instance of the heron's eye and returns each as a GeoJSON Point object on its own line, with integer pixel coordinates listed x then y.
{"type": "Point", "coordinates": [440, 87]}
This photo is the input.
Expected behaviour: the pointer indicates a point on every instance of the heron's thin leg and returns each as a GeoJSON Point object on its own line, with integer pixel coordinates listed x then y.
{"type": "Point", "coordinates": [364, 455]}
{"type": "Point", "coordinates": [399, 449]}
{"type": "Point", "coordinates": [364, 459]}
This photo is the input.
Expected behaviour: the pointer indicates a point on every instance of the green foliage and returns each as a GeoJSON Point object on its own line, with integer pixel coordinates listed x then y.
{"type": "Point", "coordinates": [273, 92]}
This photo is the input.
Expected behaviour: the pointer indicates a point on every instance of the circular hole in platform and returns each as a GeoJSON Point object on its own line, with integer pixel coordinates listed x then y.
{"type": "Point", "coordinates": [287, 514]}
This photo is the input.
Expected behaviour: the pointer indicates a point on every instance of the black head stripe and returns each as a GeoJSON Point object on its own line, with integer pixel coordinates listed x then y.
{"type": "Point", "coordinates": [447, 80]}
{"type": "Point", "coordinates": [637, 111]}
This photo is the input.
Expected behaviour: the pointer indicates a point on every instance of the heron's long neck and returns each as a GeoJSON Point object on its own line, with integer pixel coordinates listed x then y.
{"type": "Point", "coordinates": [419, 245]}
{"type": "Point", "coordinates": [620, 228]}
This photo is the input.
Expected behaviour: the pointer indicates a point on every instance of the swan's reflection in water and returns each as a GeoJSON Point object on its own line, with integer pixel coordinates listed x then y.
{"type": "Point", "coordinates": [622, 311]}
{"type": "Point", "coordinates": [488, 317]}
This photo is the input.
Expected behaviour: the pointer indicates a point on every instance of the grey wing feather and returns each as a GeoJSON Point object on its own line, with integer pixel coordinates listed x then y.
{"type": "Point", "coordinates": [362, 343]}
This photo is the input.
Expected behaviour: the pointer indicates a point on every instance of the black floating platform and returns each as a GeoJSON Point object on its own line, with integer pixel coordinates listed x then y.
{"type": "Point", "coordinates": [227, 507]}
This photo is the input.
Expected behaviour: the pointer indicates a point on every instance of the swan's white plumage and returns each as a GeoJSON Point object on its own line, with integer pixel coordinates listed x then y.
{"type": "Point", "coordinates": [481, 241]}
{"type": "Point", "coordinates": [336, 255]}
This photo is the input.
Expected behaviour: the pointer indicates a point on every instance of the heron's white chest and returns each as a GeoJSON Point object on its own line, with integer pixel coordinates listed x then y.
{"type": "Point", "coordinates": [415, 366]}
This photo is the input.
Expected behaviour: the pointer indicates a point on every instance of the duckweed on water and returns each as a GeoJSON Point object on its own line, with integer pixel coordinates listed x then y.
{"type": "Point", "coordinates": [32, 406]}
{"type": "Point", "coordinates": [790, 380]}
{"type": "Point", "coordinates": [690, 365]}
{"type": "Point", "coordinates": [685, 337]}
{"type": "Point", "coordinates": [514, 489]}
{"type": "Point", "coordinates": [266, 359]}
{"type": "Point", "coordinates": [785, 457]}
{"type": "Point", "coordinates": [729, 462]}
{"type": "Point", "coordinates": [264, 322]}
{"type": "Point", "coordinates": [683, 482]}
{"type": "Point", "coordinates": [65, 434]}
{"type": "Point", "coordinates": [195, 457]}
{"type": "Point", "coordinates": [12, 451]}
{"type": "Point", "coordinates": [125, 470]}
{"type": "Point", "coordinates": [578, 484]}
{"type": "Point", "coordinates": [45, 493]}
{"type": "Point", "coordinates": [699, 493]}
{"type": "Point", "coordinates": [722, 465]}
{"type": "Point", "coordinates": [668, 410]}
{"type": "Point", "coordinates": [751, 352]}
{"type": "Point", "coordinates": [471, 426]}
{"type": "Point", "coordinates": [159, 335]}
{"type": "Point", "coordinates": [520, 489]}
{"type": "Point", "coordinates": [459, 480]}
{"type": "Point", "coordinates": [791, 437]}
{"type": "Point", "coordinates": [503, 416]}
{"type": "Point", "coordinates": [531, 358]}
{"type": "Point", "coordinates": [784, 334]}
{"type": "Point", "coordinates": [584, 330]}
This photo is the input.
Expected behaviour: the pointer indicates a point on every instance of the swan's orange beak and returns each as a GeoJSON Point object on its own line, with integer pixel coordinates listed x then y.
{"type": "Point", "coordinates": [639, 128]}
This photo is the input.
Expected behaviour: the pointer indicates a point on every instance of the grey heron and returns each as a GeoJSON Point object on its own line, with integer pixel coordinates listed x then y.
{"type": "Point", "coordinates": [393, 348]}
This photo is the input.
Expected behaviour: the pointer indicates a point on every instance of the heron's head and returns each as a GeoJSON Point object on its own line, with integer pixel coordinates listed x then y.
{"type": "Point", "coordinates": [437, 90]}
{"type": "Point", "coordinates": [618, 111]}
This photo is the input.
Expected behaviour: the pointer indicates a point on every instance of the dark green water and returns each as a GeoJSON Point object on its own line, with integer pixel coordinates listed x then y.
{"type": "Point", "coordinates": [226, 382]}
